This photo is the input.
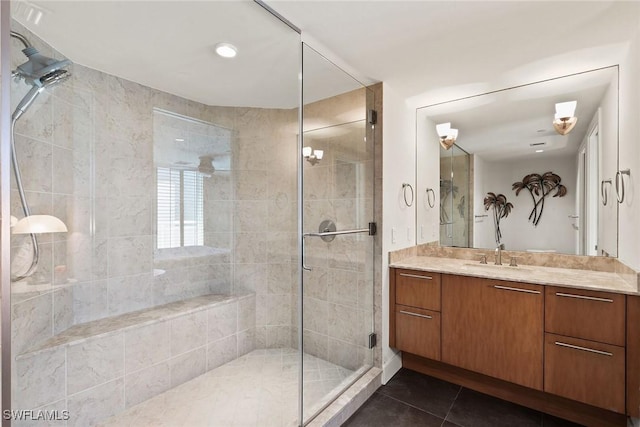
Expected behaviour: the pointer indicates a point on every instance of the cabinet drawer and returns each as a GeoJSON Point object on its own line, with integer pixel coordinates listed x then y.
{"type": "Point", "coordinates": [418, 331]}
{"type": "Point", "coordinates": [418, 289]}
{"type": "Point", "coordinates": [586, 371]}
{"type": "Point", "coordinates": [596, 316]}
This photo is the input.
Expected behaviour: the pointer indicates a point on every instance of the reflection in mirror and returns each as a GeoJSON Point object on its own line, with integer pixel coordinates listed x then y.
{"type": "Point", "coordinates": [514, 137]}
{"type": "Point", "coordinates": [455, 227]}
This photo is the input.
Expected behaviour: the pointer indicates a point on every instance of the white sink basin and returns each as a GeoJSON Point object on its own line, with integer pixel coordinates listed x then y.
{"type": "Point", "coordinates": [502, 267]}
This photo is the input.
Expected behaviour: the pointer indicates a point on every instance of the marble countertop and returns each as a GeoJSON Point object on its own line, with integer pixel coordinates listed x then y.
{"type": "Point", "coordinates": [565, 277]}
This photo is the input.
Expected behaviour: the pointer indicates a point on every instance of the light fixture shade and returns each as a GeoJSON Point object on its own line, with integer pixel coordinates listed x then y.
{"type": "Point", "coordinates": [38, 224]}
{"type": "Point", "coordinates": [306, 151]}
{"type": "Point", "coordinates": [566, 109]}
{"type": "Point", "coordinates": [318, 154]}
{"type": "Point", "coordinates": [443, 129]}
{"type": "Point", "coordinates": [565, 125]}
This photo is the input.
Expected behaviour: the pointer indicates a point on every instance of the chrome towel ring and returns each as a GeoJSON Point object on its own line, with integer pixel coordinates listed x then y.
{"type": "Point", "coordinates": [620, 184]}
{"type": "Point", "coordinates": [603, 191]}
{"type": "Point", "coordinates": [404, 193]}
{"type": "Point", "coordinates": [431, 194]}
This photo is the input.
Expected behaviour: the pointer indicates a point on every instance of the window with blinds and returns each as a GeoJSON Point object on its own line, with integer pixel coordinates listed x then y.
{"type": "Point", "coordinates": [180, 208]}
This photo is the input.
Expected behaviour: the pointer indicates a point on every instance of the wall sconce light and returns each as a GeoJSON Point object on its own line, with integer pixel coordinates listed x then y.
{"type": "Point", "coordinates": [312, 156]}
{"type": "Point", "coordinates": [564, 119]}
{"type": "Point", "coordinates": [447, 135]}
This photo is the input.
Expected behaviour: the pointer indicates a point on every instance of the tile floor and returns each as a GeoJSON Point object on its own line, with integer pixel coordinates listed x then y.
{"type": "Point", "coordinates": [413, 399]}
{"type": "Point", "coordinates": [257, 389]}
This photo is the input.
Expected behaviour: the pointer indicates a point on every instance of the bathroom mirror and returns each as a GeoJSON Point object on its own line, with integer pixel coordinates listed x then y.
{"type": "Point", "coordinates": [509, 135]}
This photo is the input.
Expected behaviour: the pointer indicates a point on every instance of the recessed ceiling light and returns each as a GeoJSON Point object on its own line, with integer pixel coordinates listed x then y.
{"type": "Point", "coordinates": [179, 139]}
{"type": "Point", "coordinates": [539, 151]}
{"type": "Point", "coordinates": [226, 50]}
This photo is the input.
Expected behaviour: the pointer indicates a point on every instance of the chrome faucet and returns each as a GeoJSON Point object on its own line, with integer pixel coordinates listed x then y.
{"type": "Point", "coordinates": [499, 249]}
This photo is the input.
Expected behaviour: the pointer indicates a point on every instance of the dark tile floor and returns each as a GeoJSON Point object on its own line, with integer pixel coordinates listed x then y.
{"type": "Point", "coordinates": [413, 399]}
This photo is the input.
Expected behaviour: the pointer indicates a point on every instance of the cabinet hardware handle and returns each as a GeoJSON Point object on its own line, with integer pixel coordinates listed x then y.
{"type": "Point", "coordinates": [577, 347]}
{"type": "Point", "coordinates": [508, 288]}
{"type": "Point", "coordinates": [415, 276]}
{"type": "Point", "coordinates": [560, 294]}
{"type": "Point", "coordinates": [416, 314]}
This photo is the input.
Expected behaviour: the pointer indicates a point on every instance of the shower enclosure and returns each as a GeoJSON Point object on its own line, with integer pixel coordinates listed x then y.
{"type": "Point", "coordinates": [205, 267]}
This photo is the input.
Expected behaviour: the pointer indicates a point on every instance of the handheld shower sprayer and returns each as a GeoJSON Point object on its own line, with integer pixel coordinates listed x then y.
{"type": "Point", "coordinates": [40, 72]}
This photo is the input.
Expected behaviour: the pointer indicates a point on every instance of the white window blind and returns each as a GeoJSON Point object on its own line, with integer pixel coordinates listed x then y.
{"type": "Point", "coordinates": [180, 208]}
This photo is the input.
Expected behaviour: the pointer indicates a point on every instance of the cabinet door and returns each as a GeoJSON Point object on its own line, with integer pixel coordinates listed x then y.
{"type": "Point", "coordinates": [418, 331]}
{"type": "Point", "coordinates": [595, 316]}
{"type": "Point", "coordinates": [494, 327]}
{"type": "Point", "coordinates": [586, 371]}
{"type": "Point", "coordinates": [418, 289]}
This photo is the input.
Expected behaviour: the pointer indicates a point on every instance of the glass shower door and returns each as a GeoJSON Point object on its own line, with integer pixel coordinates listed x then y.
{"type": "Point", "coordinates": [337, 291]}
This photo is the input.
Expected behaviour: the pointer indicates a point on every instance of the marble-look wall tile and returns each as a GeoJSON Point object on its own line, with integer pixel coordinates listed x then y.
{"type": "Point", "coordinates": [39, 379]}
{"type": "Point", "coordinates": [146, 383]}
{"type": "Point", "coordinates": [96, 404]}
{"type": "Point", "coordinates": [316, 315]}
{"type": "Point", "coordinates": [343, 354]}
{"type": "Point", "coordinates": [35, 159]}
{"type": "Point", "coordinates": [62, 164]}
{"type": "Point", "coordinates": [130, 293]}
{"type": "Point", "coordinates": [344, 324]}
{"type": "Point", "coordinates": [53, 408]}
{"type": "Point", "coordinates": [222, 351]}
{"type": "Point", "coordinates": [250, 248]}
{"type": "Point", "coordinates": [246, 341]}
{"type": "Point", "coordinates": [90, 301]}
{"type": "Point", "coordinates": [250, 216]}
{"type": "Point", "coordinates": [222, 321]}
{"type": "Point", "coordinates": [343, 287]}
{"type": "Point", "coordinates": [250, 277]}
{"type": "Point", "coordinates": [279, 278]}
{"type": "Point", "coordinates": [188, 332]}
{"type": "Point", "coordinates": [247, 313]}
{"type": "Point", "coordinates": [188, 366]}
{"type": "Point", "coordinates": [147, 346]}
{"type": "Point", "coordinates": [31, 322]}
{"type": "Point", "coordinates": [316, 344]}
{"type": "Point", "coordinates": [94, 362]}
{"type": "Point", "coordinates": [278, 336]}
{"type": "Point", "coordinates": [130, 255]}
{"type": "Point", "coordinates": [250, 185]}
{"type": "Point", "coordinates": [62, 309]}
{"type": "Point", "coordinates": [130, 215]}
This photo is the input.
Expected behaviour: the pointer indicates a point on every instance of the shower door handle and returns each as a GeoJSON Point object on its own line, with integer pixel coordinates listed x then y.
{"type": "Point", "coordinates": [371, 231]}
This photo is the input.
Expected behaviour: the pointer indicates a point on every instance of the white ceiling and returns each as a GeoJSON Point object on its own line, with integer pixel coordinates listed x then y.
{"type": "Point", "coordinates": [437, 48]}
{"type": "Point", "coordinates": [425, 51]}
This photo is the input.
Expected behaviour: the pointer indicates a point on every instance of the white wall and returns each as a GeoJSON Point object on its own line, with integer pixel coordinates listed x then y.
{"type": "Point", "coordinates": [398, 166]}
{"type": "Point", "coordinates": [428, 176]}
{"type": "Point", "coordinates": [629, 215]}
{"type": "Point", "coordinates": [608, 164]}
{"type": "Point", "coordinates": [554, 231]}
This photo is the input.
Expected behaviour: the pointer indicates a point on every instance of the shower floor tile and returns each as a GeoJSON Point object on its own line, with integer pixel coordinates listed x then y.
{"type": "Point", "coordinates": [257, 389]}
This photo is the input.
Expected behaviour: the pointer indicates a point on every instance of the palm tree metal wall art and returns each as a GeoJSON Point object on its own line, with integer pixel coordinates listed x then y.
{"type": "Point", "coordinates": [501, 209]}
{"type": "Point", "coordinates": [539, 187]}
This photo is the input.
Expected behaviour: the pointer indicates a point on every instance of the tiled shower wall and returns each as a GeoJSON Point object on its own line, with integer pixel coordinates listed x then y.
{"type": "Point", "coordinates": [86, 153]}
{"type": "Point", "coordinates": [338, 292]}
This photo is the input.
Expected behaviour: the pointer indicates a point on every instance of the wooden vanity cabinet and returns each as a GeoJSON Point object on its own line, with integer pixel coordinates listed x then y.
{"type": "Point", "coordinates": [586, 371]}
{"type": "Point", "coordinates": [569, 352]}
{"type": "Point", "coordinates": [415, 320]}
{"type": "Point", "coordinates": [418, 331]}
{"type": "Point", "coordinates": [494, 327]}
{"type": "Point", "coordinates": [585, 346]}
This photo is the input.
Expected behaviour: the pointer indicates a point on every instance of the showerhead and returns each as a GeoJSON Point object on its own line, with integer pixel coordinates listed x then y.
{"type": "Point", "coordinates": [40, 70]}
